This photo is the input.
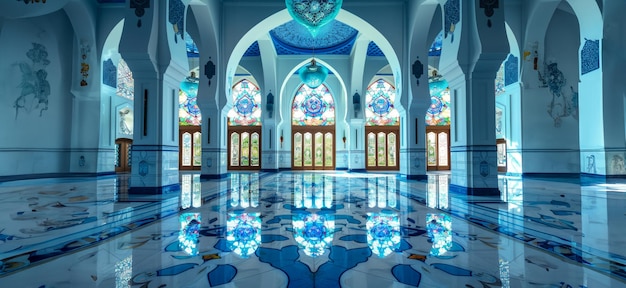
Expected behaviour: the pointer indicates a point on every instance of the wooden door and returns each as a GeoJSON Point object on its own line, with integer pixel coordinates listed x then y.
{"type": "Point", "coordinates": [438, 147]}
{"type": "Point", "coordinates": [244, 147]}
{"type": "Point", "coordinates": [313, 148]}
{"type": "Point", "coordinates": [190, 148]}
{"type": "Point", "coordinates": [123, 155]}
{"type": "Point", "coordinates": [382, 148]}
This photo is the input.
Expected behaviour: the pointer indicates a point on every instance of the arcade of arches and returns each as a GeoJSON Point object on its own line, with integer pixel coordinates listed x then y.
{"type": "Point", "coordinates": [476, 98]}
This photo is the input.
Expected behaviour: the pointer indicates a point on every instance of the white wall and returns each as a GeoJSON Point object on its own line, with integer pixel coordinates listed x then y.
{"type": "Point", "coordinates": [34, 141]}
{"type": "Point", "coordinates": [550, 143]}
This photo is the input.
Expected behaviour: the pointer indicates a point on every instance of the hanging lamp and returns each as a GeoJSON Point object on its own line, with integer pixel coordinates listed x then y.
{"type": "Point", "coordinates": [313, 75]}
{"type": "Point", "coordinates": [313, 14]}
{"type": "Point", "coordinates": [190, 86]}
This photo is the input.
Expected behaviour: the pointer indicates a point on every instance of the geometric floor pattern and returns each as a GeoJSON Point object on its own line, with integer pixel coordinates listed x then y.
{"type": "Point", "coordinates": [312, 229]}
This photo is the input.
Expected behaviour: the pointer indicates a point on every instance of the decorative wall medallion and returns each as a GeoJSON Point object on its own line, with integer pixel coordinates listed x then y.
{"type": "Point", "coordinates": [489, 5]}
{"type": "Point", "coordinates": [140, 7]}
{"type": "Point", "coordinates": [177, 18]}
{"type": "Point", "coordinates": [85, 49]}
{"type": "Point", "coordinates": [452, 17]}
{"type": "Point", "coordinates": [109, 73]}
{"type": "Point", "coordinates": [484, 168]}
{"type": "Point", "coordinates": [143, 168]}
{"type": "Point", "coordinates": [35, 87]}
{"type": "Point", "coordinates": [590, 56]}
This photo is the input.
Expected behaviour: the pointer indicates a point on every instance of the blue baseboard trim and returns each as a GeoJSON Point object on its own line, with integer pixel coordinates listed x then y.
{"type": "Point", "coordinates": [341, 169]}
{"type": "Point", "coordinates": [357, 170]}
{"type": "Point", "coordinates": [470, 191]}
{"type": "Point", "coordinates": [417, 177]}
{"type": "Point", "coordinates": [173, 188]}
{"type": "Point", "coordinates": [597, 176]}
{"type": "Point", "coordinates": [213, 177]}
{"type": "Point", "coordinates": [549, 175]}
{"type": "Point", "coordinates": [284, 169]}
{"type": "Point", "coordinates": [53, 175]}
{"type": "Point", "coordinates": [271, 170]}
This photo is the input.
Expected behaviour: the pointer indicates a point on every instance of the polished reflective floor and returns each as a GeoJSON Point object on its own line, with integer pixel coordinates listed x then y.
{"type": "Point", "coordinates": [324, 229]}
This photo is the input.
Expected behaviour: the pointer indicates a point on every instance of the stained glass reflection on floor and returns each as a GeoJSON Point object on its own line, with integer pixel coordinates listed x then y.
{"type": "Point", "coordinates": [311, 229]}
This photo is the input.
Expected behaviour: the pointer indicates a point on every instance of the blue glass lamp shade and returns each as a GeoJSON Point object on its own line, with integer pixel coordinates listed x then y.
{"type": "Point", "coordinates": [313, 14]}
{"type": "Point", "coordinates": [313, 75]}
{"type": "Point", "coordinates": [190, 87]}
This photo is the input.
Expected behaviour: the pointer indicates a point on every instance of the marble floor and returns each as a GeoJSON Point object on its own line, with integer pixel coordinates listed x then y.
{"type": "Point", "coordinates": [312, 229]}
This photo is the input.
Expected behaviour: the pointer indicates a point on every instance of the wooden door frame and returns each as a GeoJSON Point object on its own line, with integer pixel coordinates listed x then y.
{"type": "Point", "coordinates": [181, 131]}
{"type": "Point", "coordinates": [437, 130]}
{"type": "Point", "coordinates": [386, 130]}
{"type": "Point", "coordinates": [243, 129]}
{"type": "Point", "coordinates": [123, 154]}
{"type": "Point", "coordinates": [500, 168]}
{"type": "Point", "coordinates": [313, 130]}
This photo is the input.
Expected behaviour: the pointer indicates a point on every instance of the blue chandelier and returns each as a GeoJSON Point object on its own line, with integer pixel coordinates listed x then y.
{"type": "Point", "coordinates": [313, 75]}
{"type": "Point", "coordinates": [313, 14]}
{"type": "Point", "coordinates": [190, 86]}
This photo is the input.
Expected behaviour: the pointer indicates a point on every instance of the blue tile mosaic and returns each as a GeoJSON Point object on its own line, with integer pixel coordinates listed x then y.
{"type": "Point", "coordinates": [590, 56]}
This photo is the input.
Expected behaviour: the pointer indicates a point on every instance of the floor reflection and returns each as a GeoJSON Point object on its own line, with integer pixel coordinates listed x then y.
{"type": "Point", "coordinates": [305, 229]}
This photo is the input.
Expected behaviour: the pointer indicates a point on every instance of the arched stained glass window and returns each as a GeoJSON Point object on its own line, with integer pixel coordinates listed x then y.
{"type": "Point", "coordinates": [246, 109]}
{"type": "Point", "coordinates": [313, 107]}
{"type": "Point", "coordinates": [380, 109]}
{"type": "Point", "coordinates": [125, 81]}
{"type": "Point", "coordinates": [188, 109]}
{"type": "Point", "coordinates": [438, 114]}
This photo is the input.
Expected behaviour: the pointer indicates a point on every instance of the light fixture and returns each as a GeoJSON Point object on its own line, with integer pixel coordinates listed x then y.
{"type": "Point", "coordinates": [356, 103]}
{"type": "Point", "coordinates": [313, 75]}
{"type": "Point", "coordinates": [190, 86]}
{"type": "Point", "coordinates": [209, 70]}
{"type": "Point", "coordinates": [270, 103]}
{"type": "Point", "coordinates": [313, 14]}
{"type": "Point", "coordinates": [418, 70]}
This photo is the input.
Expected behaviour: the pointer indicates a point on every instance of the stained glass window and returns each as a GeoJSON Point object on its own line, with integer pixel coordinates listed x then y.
{"type": "Point", "coordinates": [246, 109]}
{"type": "Point", "coordinates": [439, 111]}
{"type": "Point", "coordinates": [125, 81]}
{"type": "Point", "coordinates": [380, 98]}
{"type": "Point", "coordinates": [189, 111]}
{"type": "Point", "coordinates": [313, 107]}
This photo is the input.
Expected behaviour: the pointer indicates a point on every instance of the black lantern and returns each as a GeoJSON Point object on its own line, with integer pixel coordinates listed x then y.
{"type": "Point", "coordinates": [356, 103]}
{"type": "Point", "coordinates": [209, 70]}
{"type": "Point", "coordinates": [270, 103]}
